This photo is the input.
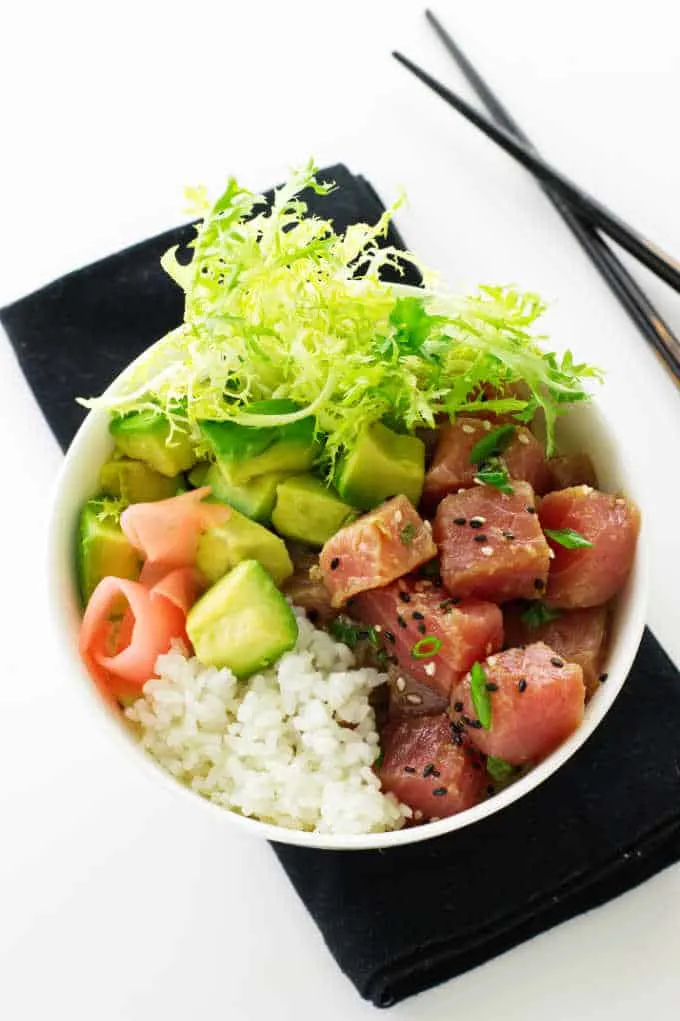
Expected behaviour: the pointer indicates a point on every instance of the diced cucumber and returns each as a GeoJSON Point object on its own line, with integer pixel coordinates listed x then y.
{"type": "Point", "coordinates": [146, 436]}
{"type": "Point", "coordinates": [382, 464]}
{"type": "Point", "coordinates": [308, 510]}
{"type": "Point", "coordinates": [243, 622]}
{"type": "Point", "coordinates": [222, 548]}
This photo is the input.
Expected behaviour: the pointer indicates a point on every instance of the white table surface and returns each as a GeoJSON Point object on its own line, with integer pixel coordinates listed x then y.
{"type": "Point", "coordinates": [117, 902]}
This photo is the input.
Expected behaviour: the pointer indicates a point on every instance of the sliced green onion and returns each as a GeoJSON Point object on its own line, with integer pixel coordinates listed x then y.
{"type": "Point", "coordinates": [426, 647]}
{"type": "Point", "coordinates": [568, 538]}
{"type": "Point", "coordinates": [481, 699]}
{"type": "Point", "coordinates": [538, 613]}
{"type": "Point", "coordinates": [493, 444]}
{"type": "Point", "coordinates": [498, 769]}
{"type": "Point", "coordinates": [495, 475]}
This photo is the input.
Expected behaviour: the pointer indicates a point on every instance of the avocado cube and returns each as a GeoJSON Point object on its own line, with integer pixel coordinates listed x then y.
{"type": "Point", "coordinates": [146, 436]}
{"type": "Point", "coordinates": [381, 465]}
{"type": "Point", "coordinates": [243, 622]}
{"type": "Point", "coordinates": [308, 510]}
{"type": "Point", "coordinates": [134, 482]}
{"type": "Point", "coordinates": [198, 473]}
{"type": "Point", "coordinates": [222, 548]}
{"type": "Point", "coordinates": [247, 453]}
{"type": "Point", "coordinates": [103, 548]}
{"type": "Point", "coordinates": [255, 499]}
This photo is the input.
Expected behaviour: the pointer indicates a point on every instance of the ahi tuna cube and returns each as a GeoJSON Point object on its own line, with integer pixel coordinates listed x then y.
{"type": "Point", "coordinates": [409, 697]}
{"type": "Point", "coordinates": [572, 470]}
{"type": "Point", "coordinates": [491, 545]}
{"type": "Point", "coordinates": [452, 468]}
{"type": "Point", "coordinates": [536, 700]}
{"type": "Point", "coordinates": [434, 637]}
{"type": "Point", "coordinates": [592, 575]}
{"type": "Point", "coordinates": [374, 550]}
{"type": "Point", "coordinates": [425, 769]}
{"type": "Point", "coordinates": [576, 635]}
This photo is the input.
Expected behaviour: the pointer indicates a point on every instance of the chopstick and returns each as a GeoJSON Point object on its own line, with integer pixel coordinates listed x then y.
{"type": "Point", "coordinates": [630, 294]}
{"type": "Point", "coordinates": [607, 221]}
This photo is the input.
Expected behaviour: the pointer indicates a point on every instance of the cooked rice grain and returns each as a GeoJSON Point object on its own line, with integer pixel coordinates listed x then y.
{"type": "Point", "coordinates": [292, 746]}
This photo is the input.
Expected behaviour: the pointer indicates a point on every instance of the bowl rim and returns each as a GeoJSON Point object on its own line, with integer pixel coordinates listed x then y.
{"type": "Point", "coordinates": [627, 644]}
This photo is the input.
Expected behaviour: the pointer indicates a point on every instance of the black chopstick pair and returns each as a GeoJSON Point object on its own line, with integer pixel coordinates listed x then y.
{"type": "Point", "coordinates": [583, 214]}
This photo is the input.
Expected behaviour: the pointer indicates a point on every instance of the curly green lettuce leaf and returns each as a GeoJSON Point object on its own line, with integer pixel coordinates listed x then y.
{"type": "Point", "coordinates": [279, 306]}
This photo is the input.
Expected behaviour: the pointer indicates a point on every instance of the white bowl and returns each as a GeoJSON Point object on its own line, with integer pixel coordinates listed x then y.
{"type": "Point", "coordinates": [583, 428]}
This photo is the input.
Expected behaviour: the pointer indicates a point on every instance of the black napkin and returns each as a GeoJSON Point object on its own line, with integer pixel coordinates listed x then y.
{"type": "Point", "coordinates": [400, 921]}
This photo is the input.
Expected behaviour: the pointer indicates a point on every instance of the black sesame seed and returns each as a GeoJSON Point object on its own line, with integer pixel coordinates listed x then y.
{"type": "Point", "coordinates": [389, 636]}
{"type": "Point", "coordinates": [508, 535]}
{"type": "Point", "coordinates": [458, 706]}
{"type": "Point", "coordinates": [335, 563]}
{"type": "Point", "coordinates": [556, 662]}
{"type": "Point", "coordinates": [405, 597]}
{"type": "Point", "coordinates": [417, 615]}
{"type": "Point", "coordinates": [401, 622]}
{"type": "Point", "coordinates": [492, 686]}
{"type": "Point", "coordinates": [439, 792]}
{"type": "Point", "coordinates": [481, 538]}
{"type": "Point", "coordinates": [436, 773]}
{"type": "Point", "coordinates": [429, 769]}
{"type": "Point", "coordinates": [465, 719]}
{"type": "Point", "coordinates": [476, 523]}
{"type": "Point", "coordinates": [476, 724]}
{"type": "Point", "coordinates": [458, 726]}
{"type": "Point", "coordinates": [459, 521]}
{"type": "Point", "coordinates": [522, 684]}
{"type": "Point", "coordinates": [422, 629]}
{"type": "Point", "coordinates": [539, 584]}
{"type": "Point", "coordinates": [457, 738]}
{"type": "Point", "coordinates": [603, 678]}
{"type": "Point", "coordinates": [530, 510]}
{"type": "Point", "coordinates": [409, 769]}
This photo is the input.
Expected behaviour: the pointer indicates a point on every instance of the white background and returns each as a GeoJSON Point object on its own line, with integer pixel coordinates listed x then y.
{"type": "Point", "coordinates": [116, 902]}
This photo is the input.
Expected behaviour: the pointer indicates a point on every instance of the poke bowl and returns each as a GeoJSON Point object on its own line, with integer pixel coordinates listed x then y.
{"type": "Point", "coordinates": [366, 661]}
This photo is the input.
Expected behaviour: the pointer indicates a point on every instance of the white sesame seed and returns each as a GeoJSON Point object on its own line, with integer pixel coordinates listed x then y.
{"type": "Point", "coordinates": [434, 818]}
{"type": "Point", "coordinates": [414, 699]}
{"type": "Point", "coordinates": [468, 429]}
{"type": "Point", "coordinates": [427, 525]}
{"type": "Point", "coordinates": [492, 660]}
{"type": "Point", "coordinates": [398, 517]}
{"type": "Point", "coordinates": [315, 573]}
{"type": "Point", "coordinates": [619, 501]}
{"type": "Point", "coordinates": [486, 424]}
{"type": "Point", "coordinates": [461, 490]}
{"type": "Point", "coordinates": [478, 519]}
{"type": "Point", "coordinates": [430, 669]}
{"type": "Point", "coordinates": [401, 684]}
{"type": "Point", "coordinates": [523, 438]}
{"type": "Point", "coordinates": [551, 554]}
{"type": "Point", "coordinates": [487, 551]}
{"type": "Point", "coordinates": [417, 815]}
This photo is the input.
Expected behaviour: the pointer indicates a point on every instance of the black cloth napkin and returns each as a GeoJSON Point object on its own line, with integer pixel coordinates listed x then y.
{"type": "Point", "coordinates": [400, 921]}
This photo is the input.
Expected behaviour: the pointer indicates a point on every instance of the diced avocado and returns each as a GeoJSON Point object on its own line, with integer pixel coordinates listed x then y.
{"type": "Point", "coordinates": [243, 622]}
{"type": "Point", "coordinates": [248, 452]}
{"type": "Point", "coordinates": [103, 549]}
{"type": "Point", "coordinates": [198, 473]}
{"type": "Point", "coordinates": [255, 499]}
{"type": "Point", "coordinates": [134, 482]}
{"type": "Point", "coordinates": [308, 510]}
{"type": "Point", "coordinates": [222, 548]}
{"type": "Point", "coordinates": [145, 436]}
{"type": "Point", "coordinates": [382, 464]}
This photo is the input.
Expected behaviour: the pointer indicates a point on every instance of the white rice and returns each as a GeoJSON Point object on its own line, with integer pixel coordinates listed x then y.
{"type": "Point", "coordinates": [293, 746]}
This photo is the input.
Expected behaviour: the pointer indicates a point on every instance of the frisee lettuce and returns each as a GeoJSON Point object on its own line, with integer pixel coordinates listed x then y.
{"type": "Point", "coordinates": [274, 310]}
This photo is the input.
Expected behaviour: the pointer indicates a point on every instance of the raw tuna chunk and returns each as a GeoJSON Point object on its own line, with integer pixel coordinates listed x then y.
{"type": "Point", "coordinates": [574, 470]}
{"type": "Point", "coordinates": [576, 635]}
{"type": "Point", "coordinates": [590, 576]}
{"type": "Point", "coordinates": [491, 544]}
{"type": "Point", "coordinates": [408, 697]}
{"type": "Point", "coordinates": [426, 770]}
{"type": "Point", "coordinates": [451, 468]}
{"type": "Point", "coordinates": [408, 612]}
{"type": "Point", "coordinates": [537, 702]}
{"type": "Point", "coordinates": [382, 545]}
